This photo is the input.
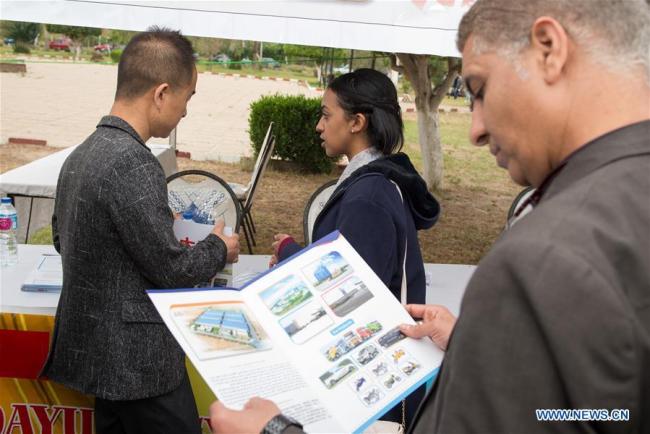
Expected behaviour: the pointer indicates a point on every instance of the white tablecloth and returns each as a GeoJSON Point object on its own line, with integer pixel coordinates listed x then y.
{"type": "Point", "coordinates": [13, 300]}
{"type": "Point", "coordinates": [445, 283]}
{"type": "Point", "coordinates": [39, 178]}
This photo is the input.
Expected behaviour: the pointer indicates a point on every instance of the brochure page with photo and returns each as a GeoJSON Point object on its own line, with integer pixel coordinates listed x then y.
{"type": "Point", "coordinates": [317, 334]}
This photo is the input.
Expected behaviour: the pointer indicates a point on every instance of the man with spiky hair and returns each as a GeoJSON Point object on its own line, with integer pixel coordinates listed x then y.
{"type": "Point", "coordinates": [557, 314]}
{"type": "Point", "coordinates": [113, 228]}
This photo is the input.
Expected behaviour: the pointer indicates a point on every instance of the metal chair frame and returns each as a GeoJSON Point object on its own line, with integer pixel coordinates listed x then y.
{"type": "Point", "coordinates": [248, 191]}
{"type": "Point", "coordinates": [224, 184]}
{"type": "Point", "coordinates": [307, 231]}
{"type": "Point", "coordinates": [249, 226]}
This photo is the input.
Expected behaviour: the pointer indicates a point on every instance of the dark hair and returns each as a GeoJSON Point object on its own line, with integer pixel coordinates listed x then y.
{"type": "Point", "coordinates": [371, 93]}
{"type": "Point", "coordinates": [157, 56]}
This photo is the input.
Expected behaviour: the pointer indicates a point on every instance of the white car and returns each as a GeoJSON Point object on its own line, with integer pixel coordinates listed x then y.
{"type": "Point", "coordinates": [340, 373]}
{"type": "Point", "coordinates": [341, 69]}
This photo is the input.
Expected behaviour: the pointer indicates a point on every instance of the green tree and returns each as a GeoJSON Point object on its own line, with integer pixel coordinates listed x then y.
{"type": "Point", "coordinates": [120, 37]}
{"type": "Point", "coordinates": [23, 32]}
{"type": "Point", "coordinates": [273, 50]}
{"type": "Point", "coordinates": [76, 35]}
{"type": "Point", "coordinates": [431, 77]}
{"type": "Point", "coordinates": [320, 56]}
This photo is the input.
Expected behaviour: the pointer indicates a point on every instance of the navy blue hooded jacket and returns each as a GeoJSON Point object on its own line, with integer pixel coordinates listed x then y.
{"type": "Point", "coordinates": [368, 210]}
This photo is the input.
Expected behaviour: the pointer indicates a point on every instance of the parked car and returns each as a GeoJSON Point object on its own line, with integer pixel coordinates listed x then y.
{"type": "Point", "coordinates": [60, 44]}
{"type": "Point", "coordinates": [102, 48]}
{"type": "Point", "coordinates": [344, 69]}
{"type": "Point", "coordinates": [270, 62]}
{"type": "Point", "coordinates": [9, 41]}
{"type": "Point", "coordinates": [220, 58]}
{"type": "Point", "coordinates": [393, 336]}
{"type": "Point", "coordinates": [340, 373]}
{"type": "Point", "coordinates": [367, 354]}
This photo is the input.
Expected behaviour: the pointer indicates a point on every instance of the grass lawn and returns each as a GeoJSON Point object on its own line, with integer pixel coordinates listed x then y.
{"type": "Point", "coordinates": [475, 196]}
{"type": "Point", "coordinates": [297, 72]}
{"type": "Point", "coordinates": [455, 102]}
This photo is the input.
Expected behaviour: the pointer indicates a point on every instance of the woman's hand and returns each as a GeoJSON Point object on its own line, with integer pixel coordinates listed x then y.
{"type": "Point", "coordinates": [278, 239]}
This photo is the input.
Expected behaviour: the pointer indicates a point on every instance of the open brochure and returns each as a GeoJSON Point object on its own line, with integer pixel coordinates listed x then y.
{"type": "Point", "coordinates": [317, 334]}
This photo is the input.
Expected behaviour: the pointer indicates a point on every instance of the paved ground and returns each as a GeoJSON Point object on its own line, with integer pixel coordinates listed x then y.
{"type": "Point", "coordinates": [61, 102]}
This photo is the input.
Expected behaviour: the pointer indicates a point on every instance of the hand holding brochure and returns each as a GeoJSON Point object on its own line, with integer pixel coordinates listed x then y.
{"type": "Point", "coordinates": [189, 232]}
{"type": "Point", "coordinates": [317, 334]}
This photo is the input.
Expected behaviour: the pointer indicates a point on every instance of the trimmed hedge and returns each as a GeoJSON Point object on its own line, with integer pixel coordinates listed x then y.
{"type": "Point", "coordinates": [294, 125]}
{"type": "Point", "coordinates": [115, 55]}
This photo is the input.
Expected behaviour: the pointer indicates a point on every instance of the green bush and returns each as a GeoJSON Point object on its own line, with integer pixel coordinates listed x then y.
{"type": "Point", "coordinates": [294, 121]}
{"type": "Point", "coordinates": [296, 69]}
{"type": "Point", "coordinates": [234, 65]}
{"type": "Point", "coordinates": [115, 55]}
{"type": "Point", "coordinates": [21, 47]}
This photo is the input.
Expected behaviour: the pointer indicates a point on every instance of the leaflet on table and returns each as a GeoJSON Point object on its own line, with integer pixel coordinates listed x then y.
{"type": "Point", "coordinates": [47, 276]}
{"type": "Point", "coordinates": [317, 334]}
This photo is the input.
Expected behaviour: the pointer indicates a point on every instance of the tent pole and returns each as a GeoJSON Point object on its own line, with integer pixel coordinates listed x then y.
{"type": "Point", "coordinates": [172, 139]}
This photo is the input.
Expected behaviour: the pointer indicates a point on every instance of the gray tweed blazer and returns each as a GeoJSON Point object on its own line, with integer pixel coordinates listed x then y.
{"type": "Point", "coordinates": [113, 228]}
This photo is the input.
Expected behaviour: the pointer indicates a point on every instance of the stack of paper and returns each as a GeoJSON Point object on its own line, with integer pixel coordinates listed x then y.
{"type": "Point", "coordinates": [47, 276]}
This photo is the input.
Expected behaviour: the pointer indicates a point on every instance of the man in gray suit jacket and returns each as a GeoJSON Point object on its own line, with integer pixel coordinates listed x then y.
{"type": "Point", "coordinates": [113, 228]}
{"type": "Point", "coordinates": [557, 314]}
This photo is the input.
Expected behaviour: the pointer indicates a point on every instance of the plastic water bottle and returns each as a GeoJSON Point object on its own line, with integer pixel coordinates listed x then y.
{"type": "Point", "coordinates": [8, 229]}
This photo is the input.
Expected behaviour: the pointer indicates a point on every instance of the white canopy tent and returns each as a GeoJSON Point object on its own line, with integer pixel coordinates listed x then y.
{"type": "Point", "coordinates": [401, 26]}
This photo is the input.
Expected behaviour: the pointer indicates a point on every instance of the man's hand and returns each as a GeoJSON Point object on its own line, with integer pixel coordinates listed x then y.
{"type": "Point", "coordinates": [232, 242]}
{"type": "Point", "coordinates": [252, 419]}
{"type": "Point", "coordinates": [437, 323]}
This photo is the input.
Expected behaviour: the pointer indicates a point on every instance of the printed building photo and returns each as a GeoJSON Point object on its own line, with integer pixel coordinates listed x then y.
{"type": "Point", "coordinates": [226, 324]}
{"type": "Point", "coordinates": [329, 268]}
{"type": "Point", "coordinates": [220, 329]}
{"type": "Point", "coordinates": [285, 295]}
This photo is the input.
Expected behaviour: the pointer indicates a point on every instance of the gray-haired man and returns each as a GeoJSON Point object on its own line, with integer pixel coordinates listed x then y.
{"type": "Point", "coordinates": [557, 315]}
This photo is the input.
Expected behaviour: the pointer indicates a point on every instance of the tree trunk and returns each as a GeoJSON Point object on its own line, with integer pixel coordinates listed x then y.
{"type": "Point", "coordinates": [418, 71]}
{"type": "Point", "coordinates": [430, 146]}
{"type": "Point", "coordinates": [256, 55]}
{"type": "Point", "coordinates": [318, 70]}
